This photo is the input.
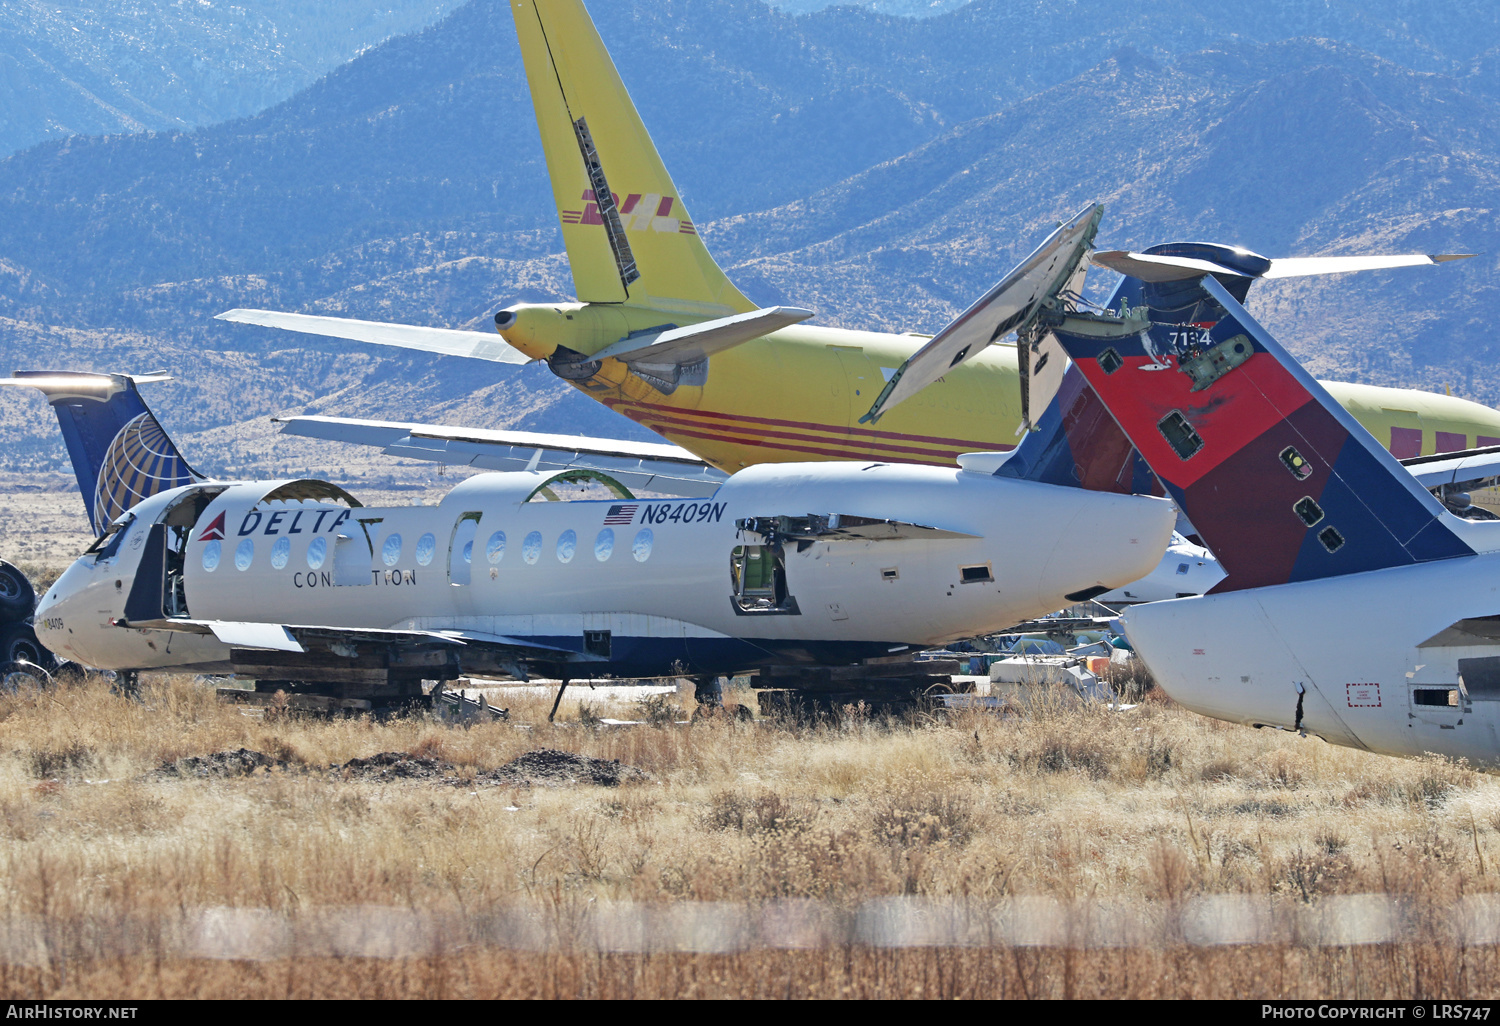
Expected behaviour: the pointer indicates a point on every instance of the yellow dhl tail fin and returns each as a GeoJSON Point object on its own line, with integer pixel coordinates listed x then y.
{"type": "Point", "coordinates": [628, 236]}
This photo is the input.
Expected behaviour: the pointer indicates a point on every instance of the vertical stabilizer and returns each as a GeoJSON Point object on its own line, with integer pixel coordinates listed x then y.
{"type": "Point", "coordinates": [1280, 481]}
{"type": "Point", "coordinates": [120, 453]}
{"type": "Point", "coordinates": [628, 236]}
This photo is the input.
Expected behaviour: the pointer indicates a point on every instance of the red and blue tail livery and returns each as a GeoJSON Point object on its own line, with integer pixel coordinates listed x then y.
{"type": "Point", "coordinates": [1281, 482]}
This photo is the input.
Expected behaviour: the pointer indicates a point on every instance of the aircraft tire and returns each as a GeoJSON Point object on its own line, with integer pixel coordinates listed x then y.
{"type": "Point", "coordinates": [18, 673]}
{"type": "Point", "coordinates": [18, 644]}
{"type": "Point", "coordinates": [17, 597]}
{"type": "Point", "coordinates": [68, 672]}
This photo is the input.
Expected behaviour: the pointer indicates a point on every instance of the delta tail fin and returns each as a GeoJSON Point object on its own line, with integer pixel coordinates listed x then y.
{"type": "Point", "coordinates": [119, 451]}
{"type": "Point", "coordinates": [629, 237]}
{"type": "Point", "coordinates": [1280, 481]}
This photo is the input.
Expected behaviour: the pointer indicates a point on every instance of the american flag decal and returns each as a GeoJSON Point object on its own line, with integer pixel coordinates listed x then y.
{"type": "Point", "coordinates": [621, 514]}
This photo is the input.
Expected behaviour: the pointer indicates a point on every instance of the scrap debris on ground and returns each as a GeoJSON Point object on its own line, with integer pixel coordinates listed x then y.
{"type": "Point", "coordinates": [544, 767]}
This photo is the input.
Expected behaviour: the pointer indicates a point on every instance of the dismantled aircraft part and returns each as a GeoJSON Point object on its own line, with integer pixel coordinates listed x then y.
{"type": "Point", "coordinates": [578, 475]}
{"type": "Point", "coordinates": [478, 345]}
{"type": "Point", "coordinates": [837, 527]}
{"type": "Point", "coordinates": [18, 674]}
{"type": "Point", "coordinates": [572, 366]}
{"type": "Point", "coordinates": [18, 643]}
{"type": "Point", "coordinates": [17, 597]}
{"type": "Point", "coordinates": [1028, 289]}
{"type": "Point", "coordinates": [604, 201]}
{"type": "Point", "coordinates": [757, 575]}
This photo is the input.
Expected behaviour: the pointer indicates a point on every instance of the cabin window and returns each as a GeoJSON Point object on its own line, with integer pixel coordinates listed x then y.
{"type": "Point", "coordinates": [604, 545]}
{"type": "Point", "coordinates": [531, 548]}
{"type": "Point", "coordinates": [426, 548]}
{"type": "Point", "coordinates": [1331, 539]}
{"type": "Point", "coordinates": [494, 551]}
{"type": "Point", "coordinates": [597, 643]}
{"type": "Point", "coordinates": [1296, 464]}
{"type": "Point", "coordinates": [281, 551]}
{"type": "Point", "coordinates": [641, 547]}
{"type": "Point", "coordinates": [1180, 435]}
{"type": "Point", "coordinates": [979, 573]}
{"type": "Point", "coordinates": [317, 552]}
{"type": "Point", "coordinates": [890, 573]}
{"type": "Point", "coordinates": [211, 554]}
{"type": "Point", "coordinates": [390, 552]}
{"type": "Point", "coordinates": [244, 554]}
{"type": "Point", "coordinates": [1109, 361]}
{"type": "Point", "coordinates": [1307, 510]}
{"type": "Point", "coordinates": [567, 544]}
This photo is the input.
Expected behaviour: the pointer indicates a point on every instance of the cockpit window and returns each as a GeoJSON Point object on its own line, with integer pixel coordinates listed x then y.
{"type": "Point", "coordinates": [107, 545]}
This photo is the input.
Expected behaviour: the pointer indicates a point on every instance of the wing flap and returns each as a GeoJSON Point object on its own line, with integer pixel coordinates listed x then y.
{"type": "Point", "coordinates": [477, 345]}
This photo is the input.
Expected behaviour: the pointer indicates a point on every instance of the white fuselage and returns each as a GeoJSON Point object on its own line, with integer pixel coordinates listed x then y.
{"type": "Point", "coordinates": [1373, 654]}
{"type": "Point", "coordinates": [653, 573]}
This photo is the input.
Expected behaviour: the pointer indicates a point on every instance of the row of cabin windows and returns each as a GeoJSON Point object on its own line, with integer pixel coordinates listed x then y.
{"type": "Point", "coordinates": [390, 549]}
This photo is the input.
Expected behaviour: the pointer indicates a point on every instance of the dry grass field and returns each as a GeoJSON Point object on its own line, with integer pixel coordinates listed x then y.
{"type": "Point", "coordinates": [1066, 851]}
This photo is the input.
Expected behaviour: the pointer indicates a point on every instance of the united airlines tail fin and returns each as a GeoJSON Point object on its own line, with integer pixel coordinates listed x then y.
{"type": "Point", "coordinates": [119, 451]}
{"type": "Point", "coordinates": [629, 237]}
{"type": "Point", "coordinates": [1281, 482]}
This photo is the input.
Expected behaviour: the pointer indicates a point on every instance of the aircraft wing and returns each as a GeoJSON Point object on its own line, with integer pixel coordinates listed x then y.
{"type": "Point", "coordinates": [650, 466]}
{"type": "Point", "coordinates": [480, 345]}
{"type": "Point", "coordinates": [1009, 306]}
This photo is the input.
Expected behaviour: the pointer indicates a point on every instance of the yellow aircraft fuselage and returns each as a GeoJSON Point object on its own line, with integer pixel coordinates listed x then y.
{"type": "Point", "coordinates": [798, 393]}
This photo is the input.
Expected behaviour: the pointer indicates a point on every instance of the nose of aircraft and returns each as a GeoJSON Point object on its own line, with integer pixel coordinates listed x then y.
{"type": "Point", "coordinates": [65, 620]}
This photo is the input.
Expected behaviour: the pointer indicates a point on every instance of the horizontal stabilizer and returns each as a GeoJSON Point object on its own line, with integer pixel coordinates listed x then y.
{"type": "Point", "coordinates": [1157, 267]}
{"type": "Point", "coordinates": [477, 345]}
{"type": "Point", "coordinates": [698, 341]}
{"type": "Point", "coordinates": [1455, 468]}
{"type": "Point", "coordinates": [1009, 306]}
{"type": "Point", "coordinates": [650, 466]}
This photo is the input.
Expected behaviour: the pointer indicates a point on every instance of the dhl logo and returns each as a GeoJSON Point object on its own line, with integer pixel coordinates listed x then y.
{"type": "Point", "coordinates": [638, 212]}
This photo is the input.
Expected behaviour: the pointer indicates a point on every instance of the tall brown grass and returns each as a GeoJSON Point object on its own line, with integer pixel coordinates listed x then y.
{"type": "Point", "coordinates": [103, 855]}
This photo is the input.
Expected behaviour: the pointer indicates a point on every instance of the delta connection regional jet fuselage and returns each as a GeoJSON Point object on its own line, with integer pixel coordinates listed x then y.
{"type": "Point", "coordinates": [211, 574]}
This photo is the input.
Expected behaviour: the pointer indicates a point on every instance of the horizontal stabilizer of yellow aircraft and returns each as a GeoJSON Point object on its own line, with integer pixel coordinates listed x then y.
{"type": "Point", "coordinates": [660, 334]}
